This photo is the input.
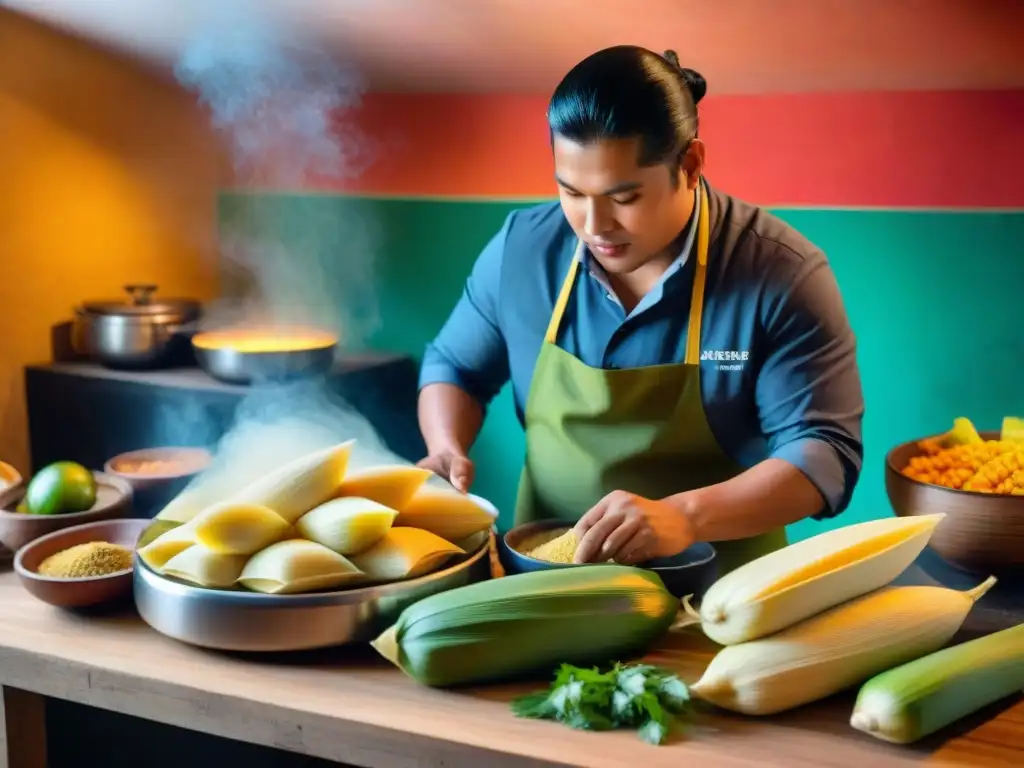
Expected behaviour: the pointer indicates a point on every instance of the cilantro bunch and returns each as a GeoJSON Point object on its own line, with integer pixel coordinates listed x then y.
{"type": "Point", "coordinates": [638, 696]}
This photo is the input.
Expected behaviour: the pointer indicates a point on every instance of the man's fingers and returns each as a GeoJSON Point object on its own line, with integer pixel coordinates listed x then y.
{"type": "Point", "coordinates": [457, 470]}
{"type": "Point", "coordinates": [460, 473]}
{"type": "Point", "coordinates": [636, 550]}
{"type": "Point", "coordinates": [593, 540]}
{"type": "Point", "coordinates": [593, 515]}
{"type": "Point", "coordinates": [619, 537]}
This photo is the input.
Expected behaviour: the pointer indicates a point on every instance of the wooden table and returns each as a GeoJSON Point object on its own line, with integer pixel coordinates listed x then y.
{"type": "Point", "coordinates": [350, 707]}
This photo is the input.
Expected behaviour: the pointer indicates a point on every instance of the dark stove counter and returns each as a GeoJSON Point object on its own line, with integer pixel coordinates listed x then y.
{"type": "Point", "coordinates": [86, 413]}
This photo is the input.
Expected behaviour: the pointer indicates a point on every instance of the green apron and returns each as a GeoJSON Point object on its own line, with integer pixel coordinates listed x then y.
{"type": "Point", "coordinates": [591, 431]}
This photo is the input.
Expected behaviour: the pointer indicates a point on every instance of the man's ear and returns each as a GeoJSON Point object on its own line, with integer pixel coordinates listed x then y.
{"type": "Point", "coordinates": [692, 163]}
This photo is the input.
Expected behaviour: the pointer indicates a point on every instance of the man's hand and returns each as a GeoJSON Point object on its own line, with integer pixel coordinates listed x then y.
{"type": "Point", "coordinates": [630, 529]}
{"type": "Point", "coordinates": [453, 467]}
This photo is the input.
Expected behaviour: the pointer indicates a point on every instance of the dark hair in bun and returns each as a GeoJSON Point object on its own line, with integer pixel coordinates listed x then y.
{"type": "Point", "coordinates": [628, 92]}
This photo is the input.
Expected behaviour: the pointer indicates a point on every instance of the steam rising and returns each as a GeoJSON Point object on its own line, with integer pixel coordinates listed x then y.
{"type": "Point", "coordinates": [275, 97]}
{"type": "Point", "coordinates": [274, 93]}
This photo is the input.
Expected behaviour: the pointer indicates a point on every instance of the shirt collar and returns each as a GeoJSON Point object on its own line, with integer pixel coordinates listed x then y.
{"type": "Point", "coordinates": [587, 260]}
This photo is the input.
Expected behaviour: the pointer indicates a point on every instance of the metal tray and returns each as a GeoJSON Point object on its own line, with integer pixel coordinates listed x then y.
{"type": "Point", "coordinates": [234, 620]}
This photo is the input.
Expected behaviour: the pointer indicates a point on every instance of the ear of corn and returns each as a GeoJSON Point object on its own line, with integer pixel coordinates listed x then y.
{"type": "Point", "coordinates": [836, 649]}
{"type": "Point", "coordinates": [920, 697]}
{"type": "Point", "coordinates": [238, 529]}
{"type": "Point", "coordinates": [809, 576]}
{"type": "Point", "coordinates": [529, 622]}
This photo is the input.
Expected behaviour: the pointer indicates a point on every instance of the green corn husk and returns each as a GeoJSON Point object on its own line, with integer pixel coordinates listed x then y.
{"type": "Point", "coordinates": [918, 698]}
{"type": "Point", "coordinates": [529, 622]}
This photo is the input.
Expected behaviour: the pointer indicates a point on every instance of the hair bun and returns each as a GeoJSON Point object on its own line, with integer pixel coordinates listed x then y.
{"type": "Point", "coordinates": [694, 80]}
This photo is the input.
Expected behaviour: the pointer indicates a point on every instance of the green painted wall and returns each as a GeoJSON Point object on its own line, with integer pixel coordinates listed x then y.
{"type": "Point", "coordinates": [935, 299]}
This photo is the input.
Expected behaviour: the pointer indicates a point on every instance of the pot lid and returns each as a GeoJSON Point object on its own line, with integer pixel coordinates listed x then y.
{"type": "Point", "coordinates": [140, 303]}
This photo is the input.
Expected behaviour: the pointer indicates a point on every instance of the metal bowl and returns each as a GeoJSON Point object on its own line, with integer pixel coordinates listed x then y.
{"type": "Point", "coordinates": [691, 572]}
{"type": "Point", "coordinates": [233, 620]}
{"type": "Point", "coordinates": [234, 366]}
{"type": "Point", "coordinates": [982, 533]}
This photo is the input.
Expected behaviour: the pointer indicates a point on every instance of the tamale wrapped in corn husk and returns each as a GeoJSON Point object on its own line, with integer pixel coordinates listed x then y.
{"type": "Point", "coordinates": [529, 622]}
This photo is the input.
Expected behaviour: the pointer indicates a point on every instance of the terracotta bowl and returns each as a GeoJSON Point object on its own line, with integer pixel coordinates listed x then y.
{"type": "Point", "coordinates": [190, 462]}
{"type": "Point", "coordinates": [113, 500]}
{"type": "Point", "coordinates": [982, 533]}
{"type": "Point", "coordinates": [84, 592]}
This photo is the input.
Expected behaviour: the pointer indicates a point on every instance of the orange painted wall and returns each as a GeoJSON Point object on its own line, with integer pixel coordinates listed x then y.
{"type": "Point", "coordinates": [107, 176]}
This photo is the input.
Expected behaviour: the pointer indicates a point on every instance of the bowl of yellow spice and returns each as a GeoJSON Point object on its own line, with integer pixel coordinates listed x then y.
{"type": "Point", "coordinates": [549, 544]}
{"type": "Point", "coordinates": [83, 566]}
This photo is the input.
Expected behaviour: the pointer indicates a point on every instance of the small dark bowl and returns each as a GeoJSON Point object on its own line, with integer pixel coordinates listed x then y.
{"type": "Point", "coordinates": [691, 572]}
{"type": "Point", "coordinates": [90, 590]}
{"type": "Point", "coordinates": [982, 533]}
{"type": "Point", "coordinates": [113, 500]}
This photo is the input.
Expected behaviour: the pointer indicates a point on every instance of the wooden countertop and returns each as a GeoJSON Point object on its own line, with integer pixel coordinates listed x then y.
{"type": "Point", "coordinates": [351, 707]}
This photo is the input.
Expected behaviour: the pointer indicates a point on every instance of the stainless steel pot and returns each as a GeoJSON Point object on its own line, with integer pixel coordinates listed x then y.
{"type": "Point", "coordinates": [138, 333]}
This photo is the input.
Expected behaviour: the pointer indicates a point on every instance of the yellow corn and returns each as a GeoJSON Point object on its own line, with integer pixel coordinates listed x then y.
{"type": "Point", "coordinates": [836, 649]}
{"type": "Point", "coordinates": [810, 576]}
{"type": "Point", "coordinates": [1000, 474]}
{"type": "Point", "coordinates": [917, 699]}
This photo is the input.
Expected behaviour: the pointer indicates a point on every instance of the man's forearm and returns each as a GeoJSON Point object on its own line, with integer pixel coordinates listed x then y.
{"type": "Point", "coordinates": [450, 418]}
{"type": "Point", "coordinates": [767, 496]}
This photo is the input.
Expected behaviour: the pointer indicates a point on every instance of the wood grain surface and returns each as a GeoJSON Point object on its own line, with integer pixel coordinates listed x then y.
{"type": "Point", "coordinates": [349, 706]}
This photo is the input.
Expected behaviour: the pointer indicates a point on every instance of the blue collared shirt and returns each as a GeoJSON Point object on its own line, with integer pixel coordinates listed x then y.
{"type": "Point", "coordinates": [779, 376]}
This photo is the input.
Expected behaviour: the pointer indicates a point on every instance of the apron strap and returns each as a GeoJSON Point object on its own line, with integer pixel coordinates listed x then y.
{"type": "Point", "coordinates": [696, 302]}
{"type": "Point", "coordinates": [563, 296]}
{"type": "Point", "coordinates": [699, 280]}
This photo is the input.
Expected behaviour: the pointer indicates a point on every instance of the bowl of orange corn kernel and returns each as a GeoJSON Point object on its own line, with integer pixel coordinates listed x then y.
{"type": "Point", "coordinates": [977, 480]}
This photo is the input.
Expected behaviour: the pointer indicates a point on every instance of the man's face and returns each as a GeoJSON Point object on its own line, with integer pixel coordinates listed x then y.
{"type": "Point", "coordinates": [625, 213]}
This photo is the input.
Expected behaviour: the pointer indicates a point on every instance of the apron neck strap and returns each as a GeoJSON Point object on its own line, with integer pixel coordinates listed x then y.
{"type": "Point", "coordinates": [697, 299]}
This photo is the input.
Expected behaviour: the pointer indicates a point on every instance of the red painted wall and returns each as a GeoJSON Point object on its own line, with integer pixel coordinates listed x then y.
{"type": "Point", "coordinates": [891, 150]}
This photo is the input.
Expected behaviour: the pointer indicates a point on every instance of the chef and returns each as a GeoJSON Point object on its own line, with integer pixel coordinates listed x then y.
{"type": "Point", "coordinates": [680, 359]}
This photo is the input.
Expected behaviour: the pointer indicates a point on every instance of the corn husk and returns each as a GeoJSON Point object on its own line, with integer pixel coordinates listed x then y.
{"type": "Point", "coordinates": [791, 584]}
{"type": "Point", "coordinates": [529, 622]}
{"type": "Point", "coordinates": [836, 649]}
{"type": "Point", "coordinates": [446, 513]}
{"type": "Point", "coordinates": [296, 565]}
{"type": "Point", "coordinates": [919, 698]}
{"type": "Point", "coordinates": [389, 485]}
{"type": "Point", "coordinates": [405, 553]}
{"type": "Point", "coordinates": [238, 529]}
{"type": "Point", "coordinates": [204, 568]}
{"type": "Point", "coordinates": [167, 545]}
{"type": "Point", "coordinates": [347, 525]}
{"type": "Point", "coordinates": [300, 485]}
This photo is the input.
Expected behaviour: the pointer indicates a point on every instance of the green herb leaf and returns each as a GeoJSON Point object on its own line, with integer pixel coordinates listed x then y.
{"type": "Point", "coordinates": [638, 696]}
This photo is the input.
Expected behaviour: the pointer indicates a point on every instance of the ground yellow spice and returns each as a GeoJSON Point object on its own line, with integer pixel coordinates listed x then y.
{"type": "Point", "coordinates": [95, 558]}
{"type": "Point", "coordinates": [558, 550]}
